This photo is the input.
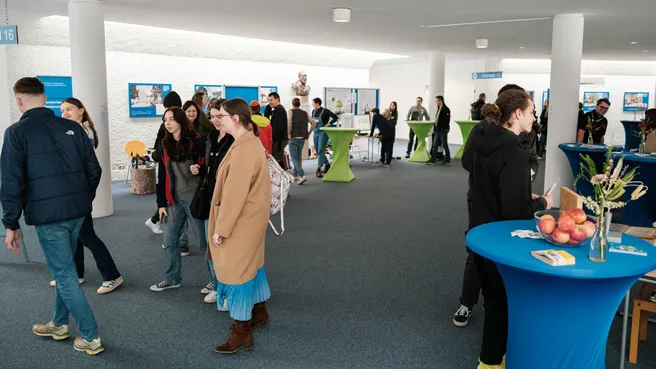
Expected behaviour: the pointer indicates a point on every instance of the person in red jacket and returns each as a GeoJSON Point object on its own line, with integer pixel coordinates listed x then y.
{"type": "Point", "coordinates": [266, 131]}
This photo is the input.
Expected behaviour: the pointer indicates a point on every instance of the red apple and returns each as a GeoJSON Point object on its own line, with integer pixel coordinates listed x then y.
{"type": "Point", "coordinates": [547, 225]}
{"type": "Point", "coordinates": [560, 236]}
{"type": "Point", "coordinates": [578, 234]}
{"type": "Point", "coordinates": [589, 228]}
{"type": "Point", "coordinates": [566, 223]}
{"type": "Point", "coordinates": [547, 216]}
{"type": "Point", "coordinates": [572, 242]}
{"type": "Point", "coordinates": [578, 215]}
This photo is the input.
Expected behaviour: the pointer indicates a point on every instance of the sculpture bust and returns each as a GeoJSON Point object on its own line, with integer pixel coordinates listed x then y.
{"type": "Point", "coordinates": [301, 87]}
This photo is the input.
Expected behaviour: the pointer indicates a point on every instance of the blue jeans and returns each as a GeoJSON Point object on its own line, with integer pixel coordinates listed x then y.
{"type": "Point", "coordinates": [184, 239]}
{"type": "Point", "coordinates": [320, 143]}
{"type": "Point", "coordinates": [59, 242]}
{"type": "Point", "coordinates": [295, 151]}
{"type": "Point", "coordinates": [210, 263]}
{"type": "Point", "coordinates": [174, 224]}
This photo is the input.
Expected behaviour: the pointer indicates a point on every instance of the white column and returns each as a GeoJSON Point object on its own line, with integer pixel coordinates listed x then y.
{"type": "Point", "coordinates": [6, 96]}
{"type": "Point", "coordinates": [566, 52]}
{"type": "Point", "coordinates": [436, 76]}
{"type": "Point", "coordinates": [89, 72]}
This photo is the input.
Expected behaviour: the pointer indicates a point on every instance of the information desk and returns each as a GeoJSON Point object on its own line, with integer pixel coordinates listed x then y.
{"type": "Point", "coordinates": [631, 134]}
{"type": "Point", "coordinates": [466, 127]}
{"type": "Point", "coordinates": [597, 153]}
{"type": "Point", "coordinates": [340, 139]}
{"type": "Point", "coordinates": [558, 317]}
{"type": "Point", "coordinates": [421, 129]}
{"type": "Point", "coordinates": [641, 212]}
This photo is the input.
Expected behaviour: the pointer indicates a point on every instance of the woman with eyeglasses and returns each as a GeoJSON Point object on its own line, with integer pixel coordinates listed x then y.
{"type": "Point", "coordinates": [74, 110]}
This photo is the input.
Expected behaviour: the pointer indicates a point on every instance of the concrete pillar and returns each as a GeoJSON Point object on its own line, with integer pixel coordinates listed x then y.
{"type": "Point", "coordinates": [436, 78]}
{"type": "Point", "coordinates": [89, 72]}
{"type": "Point", "coordinates": [566, 53]}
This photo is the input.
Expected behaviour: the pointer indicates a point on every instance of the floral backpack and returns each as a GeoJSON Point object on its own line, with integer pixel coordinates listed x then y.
{"type": "Point", "coordinates": [281, 183]}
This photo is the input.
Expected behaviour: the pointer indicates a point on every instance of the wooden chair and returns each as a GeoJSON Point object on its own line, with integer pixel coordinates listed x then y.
{"type": "Point", "coordinates": [133, 147]}
{"type": "Point", "coordinates": [639, 322]}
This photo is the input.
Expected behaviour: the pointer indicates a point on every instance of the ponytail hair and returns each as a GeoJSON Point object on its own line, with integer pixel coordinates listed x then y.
{"type": "Point", "coordinates": [508, 102]}
{"type": "Point", "coordinates": [240, 108]}
{"type": "Point", "coordinates": [85, 117]}
{"type": "Point", "coordinates": [491, 113]}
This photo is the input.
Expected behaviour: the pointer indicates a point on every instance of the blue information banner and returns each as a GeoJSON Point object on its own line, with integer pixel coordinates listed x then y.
{"type": "Point", "coordinates": [590, 99]}
{"type": "Point", "coordinates": [636, 101]}
{"type": "Point", "coordinates": [8, 35]}
{"type": "Point", "coordinates": [147, 99]}
{"type": "Point", "coordinates": [57, 89]}
{"type": "Point", "coordinates": [487, 75]}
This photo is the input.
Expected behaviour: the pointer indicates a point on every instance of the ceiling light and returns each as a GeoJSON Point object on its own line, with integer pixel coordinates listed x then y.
{"type": "Point", "coordinates": [341, 15]}
{"type": "Point", "coordinates": [645, 51]}
{"type": "Point", "coordinates": [633, 42]}
{"type": "Point", "coordinates": [481, 43]}
{"type": "Point", "coordinates": [522, 47]}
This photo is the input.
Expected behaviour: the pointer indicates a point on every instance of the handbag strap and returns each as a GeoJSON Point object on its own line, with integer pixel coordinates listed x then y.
{"type": "Point", "coordinates": [282, 214]}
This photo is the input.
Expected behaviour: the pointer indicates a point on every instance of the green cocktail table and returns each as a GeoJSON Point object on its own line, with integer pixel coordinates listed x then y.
{"type": "Point", "coordinates": [340, 138]}
{"type": "Point", "coordinates": [421, 129]}
{"type": "Point", "coordinates": [466, 127]}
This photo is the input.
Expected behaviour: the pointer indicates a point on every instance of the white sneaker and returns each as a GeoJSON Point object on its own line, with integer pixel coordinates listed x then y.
{"type": "Point", "coordinates": [210, 298]}
{"type": "Point", "coordinates": [224, 307]}
{"type": "Point", "coordinates": [92, 348]}
{"type": "Point", "coordinates": [207, 289]}
{"type": "Point", "coordinates": [53, 283]}
{"type": "Point", "coordinates": [109, 286]}
{"type": "Point", "coordinates": [155, 227]}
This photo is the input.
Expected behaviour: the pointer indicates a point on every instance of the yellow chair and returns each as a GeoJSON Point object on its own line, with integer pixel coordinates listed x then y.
{"type": "Point", "coordinates": [132, 148]}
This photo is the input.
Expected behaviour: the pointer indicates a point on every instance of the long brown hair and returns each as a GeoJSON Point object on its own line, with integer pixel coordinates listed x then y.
{"type": "Point", "coordinates": [178, 150]}
{"type": "Point", "coordinates": [85, 117]}
{"type": "Point", "coordinates": [241, 108]}
{"type": "Point", "coordinates": [508, 102]}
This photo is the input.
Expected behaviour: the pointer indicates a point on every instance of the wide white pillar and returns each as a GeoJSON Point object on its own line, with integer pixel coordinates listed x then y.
{"type": "Point", "coordinates": [6, 96]}
{"type": "Point", "coordinates": [89, 72]}
{"type": "Point", "coordinates": [566, 53]}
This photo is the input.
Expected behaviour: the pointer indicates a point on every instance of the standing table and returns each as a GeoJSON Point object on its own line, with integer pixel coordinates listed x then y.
{"type": "Point", "coordinates": [421, 129]}
{"type": "Point", "coordinates": [641, 212]}
{"type": "Point", "coordinates": [597, 153]}
{"type": "Point", "coordinates": [558, 317]}
{"type": "Point", "coordinates": [340, 139]}
{"type": "Point", "coordinates": [631, 134]}
{"type": "Point", "coordinates": [466, 127]}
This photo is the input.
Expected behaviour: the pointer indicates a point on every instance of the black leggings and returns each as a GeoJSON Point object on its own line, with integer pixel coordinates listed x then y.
{"type": "Point", "coordinates": [103, 258]}
{"type": "Point", "coordinates": [495, 326]}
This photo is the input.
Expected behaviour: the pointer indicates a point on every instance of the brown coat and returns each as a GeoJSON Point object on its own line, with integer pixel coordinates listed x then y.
{"type": "Point", "coordinates": [240, 211]}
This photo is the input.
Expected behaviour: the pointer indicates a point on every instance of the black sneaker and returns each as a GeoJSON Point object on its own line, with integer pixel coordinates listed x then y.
{"type": "Point", "coordinates": [429, 162]}
{"type": "Point", "coordinates": [461, 317]}
{"type": "Point", "coordinates": [163, 286]}
{"type": "Point", "coordinates": [319, 173]}
{"type": "Point", "coordinates": [184, 251]}
{"type": "Point", "coordinates": [445, 162]}
{"type": "Point", "coordinates": [407, 156]}
{"type": "Point", "coordinates": [326, 168]}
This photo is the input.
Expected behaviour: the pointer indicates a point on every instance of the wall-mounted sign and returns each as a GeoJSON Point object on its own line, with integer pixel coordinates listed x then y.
{"type": "Point", "coordinates": [8, 35]}
{"type": "Point", "coordinates": [147, 99]}
{"type": "Point", "coordinates": [487, 75]}
{"type": "Point", "coordinates": [57, 89]}
{"type": "Point", "coordinates": [636, 101]}
{"type": "Point", "coordinates": [545, 96]}
{"type": "Point", "coordinates": [590, 99]}
{"type": "Point", "coordinates": [211, 91]}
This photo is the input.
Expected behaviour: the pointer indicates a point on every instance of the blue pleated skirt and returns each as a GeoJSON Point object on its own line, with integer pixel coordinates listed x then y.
{"type": "Point", "coordinates": [241, 298]}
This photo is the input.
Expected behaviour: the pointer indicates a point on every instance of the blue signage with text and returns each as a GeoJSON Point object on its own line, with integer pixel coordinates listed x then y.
{"type": "Point", "coordinates": [487, 75]}
{"type": "Point", "coordinates": [8, 35]}
{"type": "Point", "coordinates": [57, 89]}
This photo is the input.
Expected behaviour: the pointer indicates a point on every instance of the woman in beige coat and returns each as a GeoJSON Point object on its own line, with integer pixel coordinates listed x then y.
{"type": "Point", "coordinates": [237, 225]}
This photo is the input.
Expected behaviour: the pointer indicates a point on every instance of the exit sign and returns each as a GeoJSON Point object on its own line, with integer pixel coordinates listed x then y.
{"type": "Point", "coordinates": [8, 35]}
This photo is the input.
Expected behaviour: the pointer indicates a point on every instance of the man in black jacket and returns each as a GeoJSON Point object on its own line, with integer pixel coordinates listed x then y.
{"type": "Point", "coordinates": [442, 127]}
{"type": "Point", "coordinates": [50, 171]}
{"type": "Point", "coordinates": [387, 134]}
{"type": "Point", "coordinates": [477, 108]}
{"type": "Point", "coordinates": [278, 117]}
{"type": "Point", "coordinates": [471, 285]}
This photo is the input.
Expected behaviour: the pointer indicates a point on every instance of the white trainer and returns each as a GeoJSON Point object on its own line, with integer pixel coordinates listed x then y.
{"type": "Point", "coordinates": [210, 298]}
{"type": "Point", "coordinates": [109, 286]}
{"type": "Point", "coordinates": [155, 227]}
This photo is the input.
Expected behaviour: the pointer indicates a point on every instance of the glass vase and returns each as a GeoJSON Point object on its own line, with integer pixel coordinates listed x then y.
{"type": "Point", "coordinates": [590, 139]}
{"type": "Point", "coordinates": [641, 148]}
{"type": "Point", "coordinates": [599, 242]}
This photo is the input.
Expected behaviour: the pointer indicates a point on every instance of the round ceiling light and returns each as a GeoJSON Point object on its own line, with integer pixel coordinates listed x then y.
{"type": "Point", "coordinates": [481, 43]}
{"type": "Point", "coordinates": [341, 15]}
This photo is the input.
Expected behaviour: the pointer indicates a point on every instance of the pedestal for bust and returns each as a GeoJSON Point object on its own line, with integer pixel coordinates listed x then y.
{"type": "Point", "coordinates": [142, 181]}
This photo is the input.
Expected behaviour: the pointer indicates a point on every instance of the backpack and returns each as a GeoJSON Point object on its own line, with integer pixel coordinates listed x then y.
{"type": "Point", "coordinates": [281, 183]}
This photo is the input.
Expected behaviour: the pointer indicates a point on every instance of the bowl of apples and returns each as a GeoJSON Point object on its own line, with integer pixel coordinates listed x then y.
{"type": "Point", "coordinates": [565, 228]}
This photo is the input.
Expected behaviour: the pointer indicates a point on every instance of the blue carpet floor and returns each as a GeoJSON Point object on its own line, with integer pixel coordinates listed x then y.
{"type": "Point", "coordinates": [367, 275]}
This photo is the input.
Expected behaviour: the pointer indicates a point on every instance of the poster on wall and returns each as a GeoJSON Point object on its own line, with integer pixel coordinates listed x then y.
{"type": "Point", "coordinates": [211, 91]}
{"type": "Point", "coordinates": [590, 99]}
{"type": "Point", "coordinates": [532, 95]}
{"type": "Point", "coordinates": [545, 96]}
{"type": "Point", "coordinates": [264, 94]}
{"type": "Point", "coordinates": [339, 100]}
{"type": "Point", "coordinates": [57, 89]}
{"type": "Point", "coordinates": [636, 101]}
{"type": "Point", "coordinates": [367, 99]}
{"type": "Point", "coordinates": [147, 99]}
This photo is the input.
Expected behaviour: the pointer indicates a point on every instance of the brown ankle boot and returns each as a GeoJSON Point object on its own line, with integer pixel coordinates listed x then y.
{"type": "Point", "coordinates": [241, 337]}
{"type": "Point", "coordinates": [260, 316]}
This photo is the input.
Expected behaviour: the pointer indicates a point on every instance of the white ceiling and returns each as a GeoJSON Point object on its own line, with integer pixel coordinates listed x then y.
{"type": "Point", "coordinates": [393, 26]}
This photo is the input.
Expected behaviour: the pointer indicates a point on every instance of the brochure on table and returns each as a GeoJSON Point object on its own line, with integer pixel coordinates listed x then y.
{"type": "Point", "coordinates": [339, 100]}
{"type": "Point", "coordinates": [636, 101]}
{"type": "Point", "coordinates": [147, 99]}
{"type": "Point", "coordinates": [367, 99]}
{"type": "Point", "coordinates": [590, 99]}
{"type": "Point", "coordinates": [57, 88]}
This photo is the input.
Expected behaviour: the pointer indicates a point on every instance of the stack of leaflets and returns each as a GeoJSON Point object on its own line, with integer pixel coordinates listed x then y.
{"type": "Point", "coordinates": [555, 257]}
{"type": "Point", "coordinates": [626, 250]}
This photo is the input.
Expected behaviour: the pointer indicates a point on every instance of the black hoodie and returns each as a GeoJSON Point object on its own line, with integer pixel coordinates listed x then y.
{"type": "Point", "coordinates": [501, 185]}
